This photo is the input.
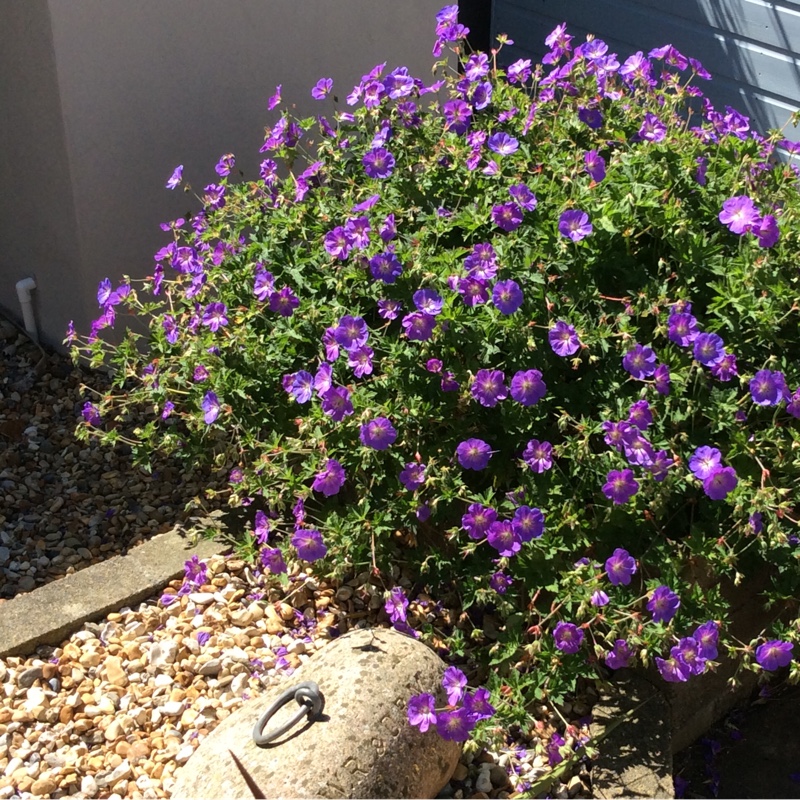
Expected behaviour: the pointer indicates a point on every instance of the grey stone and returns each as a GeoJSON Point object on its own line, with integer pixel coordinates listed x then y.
{"type": "Point", "coordinates": [29, 676]}
{"type": "Point", "coordinates": [362, 746]}
{"type": "Point", "coordinates": [52, 612]}
{"type": "Point", "coordinates": [632, 729]}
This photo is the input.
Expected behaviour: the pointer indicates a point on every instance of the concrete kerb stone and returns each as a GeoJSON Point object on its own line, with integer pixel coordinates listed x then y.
{"type": "Point", "coordinates": [49, 614]}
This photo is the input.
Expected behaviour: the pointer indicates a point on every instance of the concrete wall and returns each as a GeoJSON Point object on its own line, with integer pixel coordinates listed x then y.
{"type": "Point", "coordinates": [751, 47]}
{"type": "Point", "coordinates": [103, 98]}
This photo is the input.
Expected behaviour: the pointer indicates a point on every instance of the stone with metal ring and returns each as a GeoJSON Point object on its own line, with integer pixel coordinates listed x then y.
{"type": "Point", "coordinates": [311, 700]}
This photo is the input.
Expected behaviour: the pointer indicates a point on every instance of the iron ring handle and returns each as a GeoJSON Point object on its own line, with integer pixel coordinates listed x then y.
{"type": "Point", "coordinates": [311, 701]}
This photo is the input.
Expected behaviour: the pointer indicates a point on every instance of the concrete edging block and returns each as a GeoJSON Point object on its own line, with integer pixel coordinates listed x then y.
{"type": "Point", "coordinates": [49, 614]}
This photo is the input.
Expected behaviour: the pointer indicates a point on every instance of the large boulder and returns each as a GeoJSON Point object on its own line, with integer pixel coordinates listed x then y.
{"type": "Point", "coordinates": [362, 746]}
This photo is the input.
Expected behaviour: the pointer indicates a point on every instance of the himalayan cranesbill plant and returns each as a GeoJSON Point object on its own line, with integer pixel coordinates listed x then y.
{"type": "Point", "coordinates": [532, 331]}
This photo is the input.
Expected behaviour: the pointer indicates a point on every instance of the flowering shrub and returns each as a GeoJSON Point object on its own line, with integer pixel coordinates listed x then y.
{"type": "Point", "coordinates": [533, 332]}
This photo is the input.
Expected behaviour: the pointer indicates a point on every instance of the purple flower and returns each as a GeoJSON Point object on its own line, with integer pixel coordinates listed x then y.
{"type": "Point", "coordinates": [507, 216]}
{"type": "Point", "coordinates": [767, 388]}
{"type": "Point", "coordinates": [214, 316]}
{"type": "Point", "coordinates": [428, 302]}
{"type": "Point", "coordinates": [673, 669]}
{"type": "Point", "coordinates": [640, 362]}
{"type": "Point", "coordinates": [284, 302]}
{"type": "Point", "coordinates": [523, 196]}
{"type": "Point", "coordinates": [378, 433]}
{"type": "Point", "coordinates": [308, 543]}
{"type": "Point", "coordinates": [663, 604]}
{"type": "Point", "coordinates": [568, 637]}
{"type": "Point", "coordinates": [768, 232]}
{"type": "Point", "coordinates": [357, 232]}
{"type": "Point", "coordinates": [653, 129]}
{"type": "Point", "coordinates": [503, 144]}
{"type": "Point", "coordinates": [170, 328]}
{"type": "Point", "coordinates": [385, 267]}
{"type": "Point", "coordinates": [422, 711]}
{"type": "Point", "coordinates": [263, 284]}
{"type": "Point", "coordinates": [774, 654]}
{"type": "Point", "coordinates": [591, 117]}
{"type": "Point", "coordinates": [682, 328]}
{"type": "Point", "coordinates": [302, 386]}
{"type": "Point", "coordinates": [336, 403]}
{"type": "Point", "coordinates": [538, 455]}
{"type": "Point", "coordinates": [200, 374]}
{"type": "Point", "coordinates": [500, 582]}
{"type": "Point", "coordinates": [620, 567]}
{"type": "Point", "coordinates": [705, 462]}
{"type": "Point", "coordinates": [502, 537]}
{"type": "Point", "coordinates": [708, 348]}
{"type": "Point", "coordinates": [322, 88]}
{"type": "Point", "coordinates": [563, 339]}
{"type": "Point", "coordinates": [662, 461]}
{"type": "Point", "coordinates": [720, 483]}
{"type": "Point", "coordinates": [599, 598]}
{"type": "Point", "coordinates": [351, 332]}
{"type": "Point", "coordinates": [756, 522]}
{"type": "Point", "coordinates": [337, 243]}
{"type": "Point", "coordinates": [740, 215]}
{"type": "Point", "coordinates": [616, 433]}
{"type": "Point", "coordinates": [388, 229]}
{"type": "Point", "coordinates": [272, 560]}
{"type": "Point", "coordinates": [388, 309]}
{"type": "Point", "coordinates": [489, 387]}
{"type": "Point", "coordinates": [725, 368]}
{"type": "Point", "coordinates": [688, 651]}
{"type": "Point", "coordinates": [418, 327]}
{"type": "Point", "coordinates": [275, 99]}
{"type": "Point", "coordinates": [639, 414]}
{"type": "Point", "coordinates": [620, 486]}
{"type": "Point", "coordinates": [477, 521]}
{"type": "Point", "coordinates": [176, 177]}
{"type": "Point", "coordinates": [473, 454]}
{"type": "Point", "coordinates": [527, 387]}
{"type": "Point", "coordinates": [473, 291]}
{"type": "Point", "coordinates": [574, 224]}
{"type": "Point", "coordinates": [225, 165]}
{"type": "Point", "coordinates": [457, 115]}
{"type": "Point", "coordinates": [433, 365]}
{"type": "Point", "coordinates": [637, 449]}
{"type": "Point", "coordinates": [330, 479]}
{"type": "Point", "coordinates": [378, 163]}
{"type": "Point", "coordinates": [211, 407]}
{"type": "Point", "coordinates": [360, 360]}
{"type": "Point", "coordinates": [454, 682]}
{"type": "Point", "coordinates": [507, 296]}
{"type": "Point", "coordinates": [707, 636]}
{"type": "Point", "coordinates": [455, 726]}
{"type": "Point", "coordinates": [261, 528]}
{"type": "Point", "coordinates": [595, 165]}
{"type": "Point", "coordinates": [413, 476]}
{"type": "Point", "coordinates": [528, 523]}
{"type": "Point", "coordinates": [621, 656]}
{"type": "Point", "coordinates": [477, 704]}
{"type": "Point", "coordinates": [519, 71]}
{"type": "Point", "coordinates": [323, 380]}
{"type": "Point", "coordinates": [396, 605]}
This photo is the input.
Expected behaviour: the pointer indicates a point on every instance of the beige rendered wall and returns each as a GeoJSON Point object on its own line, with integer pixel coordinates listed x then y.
{"type": "Point", "coordinates": [134, 87]}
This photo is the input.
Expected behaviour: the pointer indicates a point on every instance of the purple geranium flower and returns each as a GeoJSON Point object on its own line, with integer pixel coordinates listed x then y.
{"type": "Point", "coordinates": [322, 88]}
{"type": "Point", "coordinates": [428, 302]}
{"type": "Point", "coordinates": [621, 656]}
{"type": "Point", "coordinates": [176, 177]}
{"type": "Point", "coordinates": [639, 414]}
{"type": "Point", "coordinates": [503, 144]}
{"type": "Point", "coordinates": [477, 521]}
{"type": "Point", "coordinates": [351, 332]}
{"type": "Point", "coordinates": [457, 115]}
{"type": "Point", "coordinates": [574, 224]}
{"type": "Point", "coordinates": [385, 267]}
{"type": "Point", "coordinates": [663, 604]}
{"type": "Point", "coordinates": [503, 538]}
{"type": "Point", "coordinates": [527, 387]}
{"type": "Point", "coordinates": [568, 637]}
{"type": "Point", "coordinates": [330, 479]}
{"type": "Point", "coordinates": [337, 243]}
{"type": "Point", "coordinates": [284, 302]}
{"type": "Point", "coordinates": [652, 129]}
{"type": "Point", "coordinates": [740, 215]}
{"type": "Point", "coordinates": [768, 232]}
{"type": "Point", "coordinates": [455, 726]}
{"type": "Point", "coordinates": [688, 651]}
{"type": "Point", "coordinates": [309, 545]}
{"type": "Point", "coordinates": [323, 380]}
{"type": "Point", "coordinates": [708, 348]}
{"type": "Point", "coordinates": [767, 388]}
{"type": "Point", "coordinates": [620, 486]}
{"type": "Point", "coordinates": [378, 433]}
{"type": "Point", "coordinates": [725, 368]}
{"type": "Point", "coordinates": [528, 523]}
{"type": "Point", "coordinates": [473, 454]}
{"type": "Point", "coordinates": [211, 407]}
{"type": "Point", "coordinates": [563, 339]}
{"type": "Point", "coordinates": [661, 379]}
{"type": "Point", "coordinates": [413, 476]}
{"type": "Point", "coordinates": [489, 387]}
{"type": "Point", "coordinates": [378, 163]}
{"type": "Point", "coordinates": [640, 362]}
{"type": "Point", "coordinates": [418, 326]}
{"type": "Point", "coordinates": [477, 704]}
{"type": "Point", "coordinates": [396, 605]}
{"type": "Point", "coordinates": [673, 669]}
{"type": "Point", "coordinates": [620, 567]}
{"type": "Point", "coordinates": [336, 403]}
{"type": "Point", "coordinates": [507, 296]}
{"type": "Point", "coordinates": [705, 462]}
{"type": "Point", "coordinates": [360, 359]}
{"type": "Point", "coordinates": [682, 328]}
{"type": "Point", "coordinates": [595, 165]}
{"type": "Point", "coordinates": [500, 582]}
{"type": "Point", "coordinates": [389, 309]}
{"type": "Point", "coordinates": [707, 637]}
{"type": "Point", "coordinates": [272, 560]}
{"type": "Point", "coordinates": [473, 291]}
{"type": "Point", "coordinates": [538, 455]}
{"type": "Point", "coordinates": [454, 682]}
{"type": "Point", "coordinates": [507, 216]}
{"type": "Point", "coordinates": [225, 165]}
{"type": "Point", "coordinates": [720, 483]}
{"type": "Point", "coordinates": [214, 316]}
{"type": "Point", "coordinates": [523, 196]}
{"type": "Point", "coordinates": [774, 654]}
{"type": "Point", "coordinates": [599, 598]}
{"type": "Point", "coordinates": [422, 711]}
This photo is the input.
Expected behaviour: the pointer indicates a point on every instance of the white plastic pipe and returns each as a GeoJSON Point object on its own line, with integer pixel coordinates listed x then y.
{"type": "Point", "coordinates": [24, 288]}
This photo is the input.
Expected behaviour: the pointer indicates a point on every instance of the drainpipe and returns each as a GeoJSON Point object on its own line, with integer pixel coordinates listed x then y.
{"type": "Point", "coordinates": [24, 288]}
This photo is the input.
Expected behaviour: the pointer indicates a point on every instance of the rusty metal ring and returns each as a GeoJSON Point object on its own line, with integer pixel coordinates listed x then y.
{"type": "Point", "coordinates": [311, 701]}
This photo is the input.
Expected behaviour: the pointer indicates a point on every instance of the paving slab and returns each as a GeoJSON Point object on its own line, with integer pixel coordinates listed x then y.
{"type": "Point", "coordinates": [49, 614]}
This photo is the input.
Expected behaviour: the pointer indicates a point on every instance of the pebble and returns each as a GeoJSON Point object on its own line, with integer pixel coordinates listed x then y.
{"type": "Point", "coordinates": [483, 783]}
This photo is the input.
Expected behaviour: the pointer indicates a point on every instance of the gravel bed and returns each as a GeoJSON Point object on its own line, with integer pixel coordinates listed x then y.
{"type": "Point", "coordinates": [117, 709]}
{"type": "Point", "coordinates": [66, 504]}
